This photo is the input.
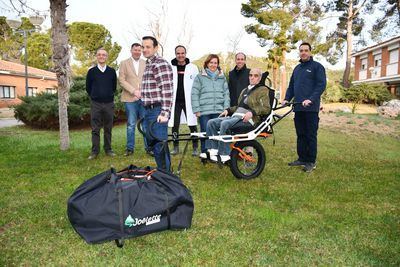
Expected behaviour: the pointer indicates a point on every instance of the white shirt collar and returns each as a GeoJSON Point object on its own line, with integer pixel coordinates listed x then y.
{"type": "Point", "coordinates": [136, 65]}
{"type": "Point", "coordinates": [102, 69]}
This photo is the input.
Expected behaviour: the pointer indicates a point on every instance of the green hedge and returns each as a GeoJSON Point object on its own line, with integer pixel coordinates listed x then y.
{"type": "Point", "coordinates": [369, 93]}
{"type": "Point", "coordinates": [333, 93]}
{"type": "Point", "coordinates": [41, 111]}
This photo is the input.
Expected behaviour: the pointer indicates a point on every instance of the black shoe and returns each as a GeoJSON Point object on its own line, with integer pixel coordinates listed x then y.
{"type": "Point", "coordinates": [195, 152]}
{"type": "Point", "coordinates": [92, 156]}
{"type": "Point", "coordinates": [110, 153]}
{"type": "Point", "coordinates": [309, 167]}
{"type": "Point", "coordinates": [296, 163]}
{"type": "Point", "coordinates": [128, 152]}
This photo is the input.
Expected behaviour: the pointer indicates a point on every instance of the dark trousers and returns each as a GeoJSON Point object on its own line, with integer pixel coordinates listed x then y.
{"type": "Point", "coordinates": [179, 107]}
{"type": "Point", "coordinates": [203, 127]}
{"type": "Point", "coordinates": [101, 116]}
{"type": "Point", "coordinates": [160, 131]}
{"type": "Point", "coordinates": [306, 124]}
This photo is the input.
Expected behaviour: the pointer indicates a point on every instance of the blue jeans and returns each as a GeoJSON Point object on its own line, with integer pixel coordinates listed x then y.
{"type": "Point", "coordinates": [222, 125]}
{"type": "Point", "coordinates": [159, 130]}
{"type": "Point", "coordinates": [203, 119]}
{"type": "Point", "coordinates": [134, 111]}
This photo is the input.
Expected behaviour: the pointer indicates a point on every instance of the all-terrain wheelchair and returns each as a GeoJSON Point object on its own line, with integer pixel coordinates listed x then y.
{"type": "Point", "coordinates": [247, 154]}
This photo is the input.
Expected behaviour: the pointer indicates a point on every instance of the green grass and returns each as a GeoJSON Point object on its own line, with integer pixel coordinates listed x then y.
{"type": "Point", "coordinates": [345, 213]}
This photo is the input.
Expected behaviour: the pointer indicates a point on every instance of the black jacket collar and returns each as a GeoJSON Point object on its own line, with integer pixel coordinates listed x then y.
{"type": "Point", "coordinates": [242, 69]}
{"type": "Point", "coordinates": [174, 62]}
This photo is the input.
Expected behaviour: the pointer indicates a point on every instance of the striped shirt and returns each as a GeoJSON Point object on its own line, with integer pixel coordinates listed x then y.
{"type": "Point", "coordinates": [157, 85]}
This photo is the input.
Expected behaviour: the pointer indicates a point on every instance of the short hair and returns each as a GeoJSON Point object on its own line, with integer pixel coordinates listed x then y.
{"type": "Point", "coordinates": [257, 70]}
{"type": "Point", "coordinates": [135, 45]}
{"type": "Point", "coordinates": [241, 53]}
{"type": "Point", "coordinates": [101, 48]}
{"type": "Point", "coordinates": [209, 58]}
{"type": "Point", "coordinates": [155, 42]}
{"type": "Point", "coordinates": [305, 43]}
{"type": "Point", "coordinates": [180, 46]}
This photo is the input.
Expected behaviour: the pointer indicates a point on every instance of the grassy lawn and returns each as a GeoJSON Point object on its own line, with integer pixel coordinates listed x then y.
{"type": "Point", "coordinates": [345, 213]}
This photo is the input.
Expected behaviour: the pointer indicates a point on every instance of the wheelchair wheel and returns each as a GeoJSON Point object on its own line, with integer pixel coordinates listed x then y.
{"type": "Point", "coordinates": [248, 160]}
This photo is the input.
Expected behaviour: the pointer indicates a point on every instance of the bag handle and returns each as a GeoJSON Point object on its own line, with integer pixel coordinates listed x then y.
{"type": "Point", "coordinates": [114, 177]}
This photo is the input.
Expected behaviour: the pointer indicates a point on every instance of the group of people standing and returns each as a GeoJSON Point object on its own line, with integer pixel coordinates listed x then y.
{"type": "Point", "coordinates": [164, 94]}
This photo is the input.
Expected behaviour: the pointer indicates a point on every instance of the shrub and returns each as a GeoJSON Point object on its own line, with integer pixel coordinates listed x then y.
{"type": "Point", "coordinates": [41, 111]}
{"type": "Point", "coordinates": [333, 93]}
{"type": "Point", "coordinates": [366, 93]}
{"type": "Point", "coordinates": [374, 93]}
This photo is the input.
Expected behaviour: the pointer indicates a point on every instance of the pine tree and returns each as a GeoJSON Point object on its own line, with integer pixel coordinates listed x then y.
{"type": "Point", "coordinates": [281, 25]}
{"type": "Point", "coordinates": [350, 24]}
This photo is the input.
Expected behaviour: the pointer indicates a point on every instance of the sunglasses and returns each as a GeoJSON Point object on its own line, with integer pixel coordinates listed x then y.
{"type": "Point", "coordinates": [254, 75]}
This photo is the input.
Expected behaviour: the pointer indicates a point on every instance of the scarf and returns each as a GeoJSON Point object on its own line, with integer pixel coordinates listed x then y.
{"type": "Point", "coordinates": [213, 75]}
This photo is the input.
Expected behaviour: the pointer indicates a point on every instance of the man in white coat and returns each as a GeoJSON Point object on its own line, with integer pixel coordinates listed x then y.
{"type": "Point", "coordinates": [184, 74]}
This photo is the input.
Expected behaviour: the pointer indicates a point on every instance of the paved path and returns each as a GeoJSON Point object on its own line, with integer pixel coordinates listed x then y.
{"type": "Point", "coordinates": [9, 122]}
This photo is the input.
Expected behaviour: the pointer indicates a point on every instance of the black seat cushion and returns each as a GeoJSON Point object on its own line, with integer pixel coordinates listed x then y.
{"type": "Point", "coordinates": [241, 128]}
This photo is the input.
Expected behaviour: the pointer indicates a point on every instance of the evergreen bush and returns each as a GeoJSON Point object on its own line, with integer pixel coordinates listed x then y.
{"type": "Point", "coordinates": [41, 111]}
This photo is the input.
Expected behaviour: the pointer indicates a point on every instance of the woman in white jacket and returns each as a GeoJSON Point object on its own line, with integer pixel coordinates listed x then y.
{"type": "Point", "coordinates": [184, 73]}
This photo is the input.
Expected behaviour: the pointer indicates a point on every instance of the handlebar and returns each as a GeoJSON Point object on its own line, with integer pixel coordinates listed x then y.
{"type": "Point", "coordinates": [150, 130]}
{"type": "Point", "coordinates": [288, 104]}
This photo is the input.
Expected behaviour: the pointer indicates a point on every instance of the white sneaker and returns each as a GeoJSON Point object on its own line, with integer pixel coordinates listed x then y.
{"type": "Point", "coordinates": [213, 152]}
{"type": "Point", "coordinates": [203, 155]}
{"type": "Point", "coordinates": [224, 158]}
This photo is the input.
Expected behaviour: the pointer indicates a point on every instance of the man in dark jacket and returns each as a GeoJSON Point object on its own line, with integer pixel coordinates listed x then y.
{"type": "Point", "coordinates": [306, 85]}
{"type": "Point", "coordinates": [238, 78]}
{"type": "Point", "coordinates": [101, 83]}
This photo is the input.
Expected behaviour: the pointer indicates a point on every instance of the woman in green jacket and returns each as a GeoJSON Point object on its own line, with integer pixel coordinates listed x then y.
{"type": "Point", "coordinates": [210, 93]}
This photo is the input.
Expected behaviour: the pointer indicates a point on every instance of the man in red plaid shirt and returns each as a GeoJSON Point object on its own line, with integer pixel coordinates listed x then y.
{"type": "Point", "coordinates": [156, 92]}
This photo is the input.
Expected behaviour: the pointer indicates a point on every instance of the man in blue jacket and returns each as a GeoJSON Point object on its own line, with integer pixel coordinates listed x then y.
{"type": "Point", "coordinates": [306, 85]}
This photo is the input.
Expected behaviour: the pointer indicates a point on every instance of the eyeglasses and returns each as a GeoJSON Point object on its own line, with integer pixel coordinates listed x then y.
{"type": "Point", "coordinates": [254, 75]}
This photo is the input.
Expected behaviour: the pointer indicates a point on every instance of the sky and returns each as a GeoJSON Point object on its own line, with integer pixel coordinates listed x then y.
{"type": "Point", "coordinates": [212, 24]}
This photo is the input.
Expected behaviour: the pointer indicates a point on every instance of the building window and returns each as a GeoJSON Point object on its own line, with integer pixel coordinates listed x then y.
{"type": "Point", "coordinates": [51, 91]}
{"type": "Point", "coordinates": [7, 91]}
{"type": "Point", "coordinates": [394, 56]}
{"type": "Point", "coordinates": [363, 64]}
{"type": "Point", "coordinates": [377, 60]}
{"type": "Point", "coordinates": [32, 91]}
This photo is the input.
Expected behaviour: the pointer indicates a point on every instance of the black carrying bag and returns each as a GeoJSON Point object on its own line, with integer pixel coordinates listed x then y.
{"type": "Point", "coordinates": [129, 203]}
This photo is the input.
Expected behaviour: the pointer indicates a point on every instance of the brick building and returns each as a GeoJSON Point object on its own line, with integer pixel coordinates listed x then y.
{"type": "Point", "coordinates": [12, 82]}
{"type": "Point", "coordinates": [379, 63]}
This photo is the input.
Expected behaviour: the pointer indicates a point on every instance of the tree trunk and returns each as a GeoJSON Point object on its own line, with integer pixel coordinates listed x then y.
{"type": "Point", "coordinates": [283, 77]}
{"type": "Point", "coordinates": [349, 40]}
{"type": "Point", "coordinates": [62, 68]}
{"type": "Point", "coordinates": [275, 76]}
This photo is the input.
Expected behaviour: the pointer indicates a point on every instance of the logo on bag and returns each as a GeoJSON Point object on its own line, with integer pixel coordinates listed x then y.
{"type": "Point", "coordinates": [130, 222]}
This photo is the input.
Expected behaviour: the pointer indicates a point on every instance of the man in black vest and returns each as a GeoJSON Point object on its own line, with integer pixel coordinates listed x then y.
{"type": "Point", "coordinates": [238, 78]}
{"type": "Point", "coordinates": [101, 83]}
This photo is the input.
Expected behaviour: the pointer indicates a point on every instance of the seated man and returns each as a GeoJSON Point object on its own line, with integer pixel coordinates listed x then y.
{"type": "Point", "coordinates": [253, 102]}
